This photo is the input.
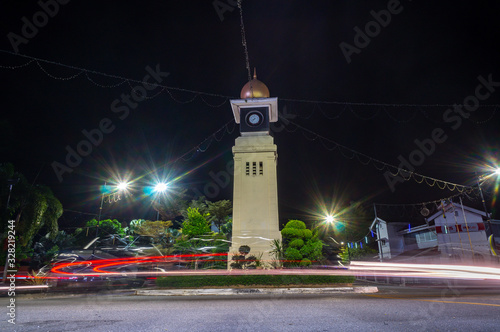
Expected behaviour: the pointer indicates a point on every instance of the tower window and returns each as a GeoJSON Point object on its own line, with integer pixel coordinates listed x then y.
{"type": "Point", "coordinates": [254, 168]}
{"type": "Point", "coordinates": [261, 168]}
{"type": "Point", "coordinates": [247, 169]}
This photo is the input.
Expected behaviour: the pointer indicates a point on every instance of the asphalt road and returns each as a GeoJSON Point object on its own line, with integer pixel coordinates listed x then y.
{"type": "Point", "coordinates": [391, 309]}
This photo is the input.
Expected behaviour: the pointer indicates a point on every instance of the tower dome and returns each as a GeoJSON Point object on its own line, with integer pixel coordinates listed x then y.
{"type": "Point", "coordinates": [254, 88]}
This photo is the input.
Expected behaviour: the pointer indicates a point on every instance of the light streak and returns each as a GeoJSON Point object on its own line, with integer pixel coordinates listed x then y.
{"type": "Point", "coordinates": [111, 267]}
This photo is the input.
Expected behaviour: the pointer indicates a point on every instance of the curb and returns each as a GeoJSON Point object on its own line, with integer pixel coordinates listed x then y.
{"type": "Point", "coordinates": [260, 291]}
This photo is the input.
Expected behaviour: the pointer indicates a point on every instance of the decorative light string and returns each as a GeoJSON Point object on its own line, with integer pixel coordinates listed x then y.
{"type": "Point", "coordinates": [381, 107]}
{"type": "Point", "coordinates": [437, 201]}
{"type": "Point", "coordinates": [198, 148]}
{"type": "Point", "coordinates": [121, 79]}
{"type": "Point", "coordinates": [381, 165]}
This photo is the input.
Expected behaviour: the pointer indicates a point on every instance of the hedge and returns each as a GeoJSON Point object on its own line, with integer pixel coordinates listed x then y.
{"type": "Point", "coordinates": [249, 280]}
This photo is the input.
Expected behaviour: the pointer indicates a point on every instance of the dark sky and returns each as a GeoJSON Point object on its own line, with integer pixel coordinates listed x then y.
{"type": "Point", "coordinates": [427, 54]}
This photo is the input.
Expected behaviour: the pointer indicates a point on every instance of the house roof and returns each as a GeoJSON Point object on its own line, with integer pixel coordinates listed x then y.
{"type": "Point", "coordinates": [458, 206]}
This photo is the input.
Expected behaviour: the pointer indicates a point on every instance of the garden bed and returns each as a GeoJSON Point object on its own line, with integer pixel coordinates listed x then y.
{"type": "Point", "coordinates": [216, 281]}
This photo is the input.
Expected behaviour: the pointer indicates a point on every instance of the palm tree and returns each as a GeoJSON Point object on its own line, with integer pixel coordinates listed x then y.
{"type": "Point", "coordinates": [32, 206]}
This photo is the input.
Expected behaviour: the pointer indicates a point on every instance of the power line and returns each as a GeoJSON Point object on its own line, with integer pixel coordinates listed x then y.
{"type": "Point", "coordinates": [244, 41]}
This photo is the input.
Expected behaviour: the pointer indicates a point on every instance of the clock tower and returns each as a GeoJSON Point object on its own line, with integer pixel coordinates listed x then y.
{"type": "Point", "coordinates": [255, 195]}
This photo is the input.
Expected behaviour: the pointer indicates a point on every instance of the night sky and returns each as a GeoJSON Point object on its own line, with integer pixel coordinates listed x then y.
{"type": "Point", "coordinates": [393, 88]}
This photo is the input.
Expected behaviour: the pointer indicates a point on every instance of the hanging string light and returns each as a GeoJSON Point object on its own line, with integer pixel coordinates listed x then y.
{"type": "Point", "coordinates": [381, 165]}
{"type": "Point", "coordinates": [381, 107]}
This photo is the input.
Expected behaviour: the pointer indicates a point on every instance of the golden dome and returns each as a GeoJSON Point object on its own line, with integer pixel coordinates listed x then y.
{"type": "Point", "coordinates": [254, 89]}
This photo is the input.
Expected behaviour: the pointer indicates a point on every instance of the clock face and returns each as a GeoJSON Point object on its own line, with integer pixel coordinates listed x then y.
{"type": "Point", "coordinates": [254, 118]}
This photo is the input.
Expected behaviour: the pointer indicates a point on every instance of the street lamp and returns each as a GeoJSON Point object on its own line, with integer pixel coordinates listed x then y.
{"type": "Point", "coordinates": [160, 188]}
{"type": "Point", "coordinates": [330, 219]}
{"type": "Point", "coordinates": [121, 186]}
{"type": "Point", "coordinates": [495, 172]}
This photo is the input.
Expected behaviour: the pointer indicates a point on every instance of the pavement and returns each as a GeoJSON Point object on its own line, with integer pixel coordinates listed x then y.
{"type": "Point", "coordinates": [259, 291]}
{"type": "Point", "coordinates": [361, 288]}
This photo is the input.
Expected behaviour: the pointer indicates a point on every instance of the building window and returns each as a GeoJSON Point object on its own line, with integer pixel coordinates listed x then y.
{"type": "Point", "coordinates": [261, 168]}
{"type": "Point", "coordinates": [254, 168]}
{"type": "Point", "coordinates": [247, 169]}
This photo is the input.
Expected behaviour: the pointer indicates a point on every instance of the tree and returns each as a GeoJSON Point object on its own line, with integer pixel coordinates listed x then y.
{"type": "Point", "coordinates": [200, 204]}
{"type": "Point", "coordinates": [195, 224]}
{"type": "Point", "coordinates": [197, 238]}
{"type": "Point", "coordinates": [219, 212]}
{"type": "Point", "coordinates": [158, 231]}
{"type": "Point", "coordinates": [107, 227]}
{"type": "Point", "coordinates": [302, 245]}
{"type": "Point", "coordinates": [34, 207]}
{"type": "Point", "coordinates": [171, 206]}
{"type": "Point", "coordinates": [356, 254]}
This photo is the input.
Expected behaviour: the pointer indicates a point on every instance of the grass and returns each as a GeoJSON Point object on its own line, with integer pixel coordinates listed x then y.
{"type": "Point", "coordinates": [250, 280]}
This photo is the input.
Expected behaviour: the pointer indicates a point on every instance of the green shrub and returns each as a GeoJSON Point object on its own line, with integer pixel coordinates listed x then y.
{"type": "Point", "coordinates": [305, 262]}
{"type": "Point", "coordinates": [249, 280]}
{"type": "Point", "coordinates": [312, 249]}
{"type": "Point", "coordinates": [297, 243]}
{"type": "Point", "coordinates": [295, 224]}
{"type": "Point", "coordinates": [290, 233]}
{"type": "Point", "coordinates": [293, 254]}
{"type": "Point", "coordinates": [300, 243]}
{"type": "Point", "coordinates": [307, 234]}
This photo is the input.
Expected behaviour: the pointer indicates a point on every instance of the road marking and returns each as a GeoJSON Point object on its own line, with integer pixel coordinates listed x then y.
{"type": "Point", "coordinates": [457, 302]}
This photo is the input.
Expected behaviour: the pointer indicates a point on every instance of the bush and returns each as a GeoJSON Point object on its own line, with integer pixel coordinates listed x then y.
{"type": "Point", "coordinates": [312, 249]}
{"type": "Point", "coordinates": [293, 254]}
{"type": "Point", "coordinates": [297, 243]}
{"type": "Point", "coordinates": [297, 224]}
{"type": "Point", "coordinates": [249, 280]}
{"type": "Point", "coordinates": [356, 254]}
{"type": "Point", "coordinates": [308, 234]}
{"type": "Point", "coordinates": [290, 233]}
{"type": "Point", "coordinates": [301, 243]}
{"type": "Point", "coordinates": [305, 262]}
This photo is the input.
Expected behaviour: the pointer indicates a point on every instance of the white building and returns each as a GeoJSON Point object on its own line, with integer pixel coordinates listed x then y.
{"type": "Point", "coordinates": [461, 232]}
{"type": "Point", "coordinates": [455, 231]}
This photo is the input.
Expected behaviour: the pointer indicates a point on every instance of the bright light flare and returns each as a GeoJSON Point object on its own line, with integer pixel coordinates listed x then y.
{"type": "Point", "coordinates": [161, 187]}
{"type": "Point", "coordinates": [122, 186]}
{"type": "Point", "coordinates": [329, 219]}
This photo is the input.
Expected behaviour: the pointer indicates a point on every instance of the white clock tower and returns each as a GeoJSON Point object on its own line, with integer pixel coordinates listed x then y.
{"type": "Point", "coordinates": [255, 197]}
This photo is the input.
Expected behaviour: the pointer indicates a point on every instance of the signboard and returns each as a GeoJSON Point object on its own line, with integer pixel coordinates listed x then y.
{"type": "Point", "coordinates": [474, 227]}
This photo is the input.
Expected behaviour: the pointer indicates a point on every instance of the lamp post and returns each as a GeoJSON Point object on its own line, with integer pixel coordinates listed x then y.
{"type": "Point", "coordinates": [121, 186]}
{"type": "Point", "coordinates": [160, 189]}
{"type": "Point", "coordinates": [331, 219]}
{"type": "Point", "coordinates": [491, 236]}
{"type": "Point", "coordinates": [348, 252]}
{"type": "Point", "coordinates": [488, 216]}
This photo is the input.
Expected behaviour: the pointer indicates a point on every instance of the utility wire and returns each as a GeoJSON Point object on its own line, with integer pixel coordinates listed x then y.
{"type": "Point", "coordinates": [244, 41]}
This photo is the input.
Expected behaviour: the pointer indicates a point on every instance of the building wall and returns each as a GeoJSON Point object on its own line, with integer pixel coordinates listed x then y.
{"type": "Point", "coordinates": [394, 245]}
{"type": "Point", "coordinates": [461, 235]}
{"type": "Point", "coordinates": [255, 197]}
